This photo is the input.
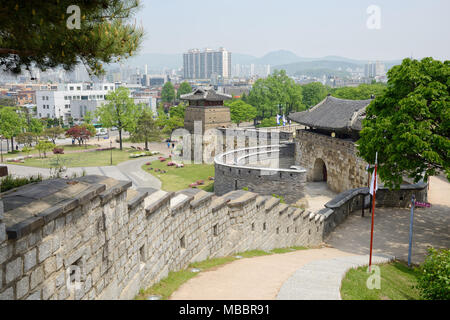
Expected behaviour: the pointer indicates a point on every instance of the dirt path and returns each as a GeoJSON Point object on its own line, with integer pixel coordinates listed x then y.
{"type": "Point", "coordinates": [257, 278]}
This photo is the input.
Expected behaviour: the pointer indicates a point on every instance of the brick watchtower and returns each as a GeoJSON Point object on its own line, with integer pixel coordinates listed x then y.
{"type": "Point", "coordinates": [206, 105]}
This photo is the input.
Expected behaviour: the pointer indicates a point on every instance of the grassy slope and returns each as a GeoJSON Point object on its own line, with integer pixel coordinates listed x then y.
{"type": "Point", "coordinates": [179, 179]}
{"type": "Point", "coordinates": [397, 282]}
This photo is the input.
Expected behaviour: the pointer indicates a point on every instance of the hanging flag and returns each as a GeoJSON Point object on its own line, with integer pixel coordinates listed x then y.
{"type": "Point", "coordinates": [278, 119]}
{"type": "Point", "coordinates": [374, 183]}
{"type": "Point", "coordinates": [284, 120]}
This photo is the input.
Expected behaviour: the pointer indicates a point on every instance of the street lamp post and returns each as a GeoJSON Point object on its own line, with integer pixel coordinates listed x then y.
{"type": "Point", "coordinates": [110, 145]}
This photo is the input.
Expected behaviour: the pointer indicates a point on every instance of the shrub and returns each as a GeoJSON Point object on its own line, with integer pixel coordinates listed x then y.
{"type": "Point", "coordinates": [10, 182]}
{"type": "Point", "coordinates": [58, 150]}
{"type": "Point", "coordinates": [434, 278]}
{"type": "Point", "coordinates": [269, 122]}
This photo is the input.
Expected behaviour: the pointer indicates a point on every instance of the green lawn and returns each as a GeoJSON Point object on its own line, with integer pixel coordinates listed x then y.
{"type": "Point", "coordinates": [67, 148]}
{"type": "Point", "coordinates": [180, 179]}
{"type": "Point", "coordinates": [397, 283]}
{"type": "Point", "coordinates": [82, 159]}
{"type": "Point", "coordinates": [174, 280]}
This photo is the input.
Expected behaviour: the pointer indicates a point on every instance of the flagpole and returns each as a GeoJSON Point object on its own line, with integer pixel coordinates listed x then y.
{"type": "Point", "coordinates": [373, 211]}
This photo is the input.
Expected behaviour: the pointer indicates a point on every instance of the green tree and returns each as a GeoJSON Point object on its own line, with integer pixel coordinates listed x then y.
{"type": "Point", "coordinates": [268, 123]}
{"type": "Point", "coordinates": [178, 111]}
{"type": "Point", "coordinates": [8, 102]}
{"type": "Point", "coordinates": [44, 146]}
{"type": "Point", "coordinates": [278, 93]}
{"type": "Point", "coordinates": [361, 92]}
{"type": "Point", "coordinates": [26, 138]}
{"type": "Point", "coordinates": [241, 111]}
{"type": "Point", "coordinates": [184, 88]}
{"type": "Point", "coordinates": [168, 92]}
{"type": "Point", "coordinates": [88, 117]}
{"type": "Point", "coordinates": [53, 133]}
{"type": "Point", "coordinates": [11, 124]}
{"type": "Point", "coordinates": [146, 129]}
{"type": "Point", "coordinates": [119, 112]}
{"type": "Point", "coordinates": [313, 93]}
{"type": "Point", "coordinates": [409, 125]}
{"type": "Point", "coordinates": [35, 126]}
{"type": "Point", "coordinates": [46, 36]}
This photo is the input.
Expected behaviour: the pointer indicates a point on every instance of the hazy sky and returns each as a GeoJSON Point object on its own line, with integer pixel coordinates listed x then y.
{"type": "Point", "coordinates": [309, 28]}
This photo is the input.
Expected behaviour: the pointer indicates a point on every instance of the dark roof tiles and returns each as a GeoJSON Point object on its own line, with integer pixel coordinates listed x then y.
{"type": "Point", "coordinates": [333, 114]}
{"type": "Point", "coordinates": [205, 94]}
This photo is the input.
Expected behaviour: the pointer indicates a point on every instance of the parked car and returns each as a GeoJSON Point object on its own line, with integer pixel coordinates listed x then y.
{"type": "Point", "coordinates": [101, 132]}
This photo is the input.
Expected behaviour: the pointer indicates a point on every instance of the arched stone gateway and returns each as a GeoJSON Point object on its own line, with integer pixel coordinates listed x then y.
{"type": "Point", "coordinates": [320, 173]}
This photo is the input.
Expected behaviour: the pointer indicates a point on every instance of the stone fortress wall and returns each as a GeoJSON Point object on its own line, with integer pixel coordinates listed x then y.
{"type": "Point", "coordinates": [344, 169]}
{"type": "Point", "coordinates": [260, 170]}
{"type": "Point", "coordinates": [119, 240]}
{"type": "Point", "coordinates": [116, 240]}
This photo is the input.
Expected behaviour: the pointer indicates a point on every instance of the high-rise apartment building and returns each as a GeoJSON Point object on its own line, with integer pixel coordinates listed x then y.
{"type": "Point", "coordinates": [207, 64]}
{"type": "Point", "coordinates": [374, 69]}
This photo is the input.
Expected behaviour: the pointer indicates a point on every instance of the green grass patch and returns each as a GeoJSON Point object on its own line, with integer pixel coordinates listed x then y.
{"type": "Point", "coordinates": [174, 280]}
{"type": "Point", "coordinates": [397, 283]}
{"type": "Point", "coordinates": [176, 179]}
{"type": "Point", "coordinates": [33, 151]}
{"type": "Point", "coordinates": [253, 253]}
{"type": "Point", "coordinates": [287, 250]}
{"type": "Point", "coordinates": [167, 286]}
{"type": "Point", "coordinates": [81, 159]}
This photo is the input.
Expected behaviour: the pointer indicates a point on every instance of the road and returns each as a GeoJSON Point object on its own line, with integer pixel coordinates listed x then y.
{"type": "Point", "coordinates": [129, 171]}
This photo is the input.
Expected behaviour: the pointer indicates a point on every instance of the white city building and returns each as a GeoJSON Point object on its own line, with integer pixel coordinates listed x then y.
{"type": "Point", "coordinates": [207, 64]}
{"type": "Point", "coordinates": [71, 100]}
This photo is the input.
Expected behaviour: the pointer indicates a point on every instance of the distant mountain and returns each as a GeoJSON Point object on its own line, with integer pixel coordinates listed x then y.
{"type": "Point", "coordinates": [238, 58]}
{"type": "Point", "coordinates": [154, 61]}
{"type": "Point", "coordinates": [277, 59]}
{"type": "Point", "coordinates": [317, 68]}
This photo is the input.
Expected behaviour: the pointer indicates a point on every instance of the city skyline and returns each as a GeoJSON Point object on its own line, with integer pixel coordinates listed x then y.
{"type": "Point", "coordinates": [312, 30]}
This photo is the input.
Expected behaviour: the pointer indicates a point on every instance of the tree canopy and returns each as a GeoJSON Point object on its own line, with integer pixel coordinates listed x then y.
{"type": "Point", "coordinates": [361, 92]}
{"type": "Point", "coordinates": [11, 123]}
{"type": "Point", "coordinates": [178, 111]}
{"type": "Point", "coordinates": [168, 92]}
{"type": "Point", "coordinates": [409, 124]}
{"type": "Point", "coordinates": [313, 93]}
{"type": "Point", "coordinates": [278, 93]}
{"type": "Point", "coordinates": [241, 111]}
{"type": "Point", "coordinates": [146, 129]}
{"type": "Point", "coordinates": [184, 88]}
{"type": "Point", "coordinates": [119, 111]}
{"type": "Point", "coordinates": [64, 33]}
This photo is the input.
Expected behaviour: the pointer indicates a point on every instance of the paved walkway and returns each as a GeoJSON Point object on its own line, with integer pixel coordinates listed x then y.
{"type": "Point", "coordinates": [129, 171]}
{"type": "Point", "coordinates": [257, 278]}
{"type": "Point", "coordinates": [321, 280]}
{"type": "Point", "coordinates": [317, 194]}
{"type": "Point", "coordinates": [391, 230]}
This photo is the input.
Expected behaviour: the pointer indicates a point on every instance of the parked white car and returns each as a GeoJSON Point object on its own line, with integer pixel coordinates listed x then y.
{"type": "Point", "coordinates": [101, 131]}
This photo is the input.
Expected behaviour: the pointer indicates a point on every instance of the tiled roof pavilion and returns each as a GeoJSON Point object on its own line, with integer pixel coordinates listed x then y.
{"type": "Point", "coordinates": [333, 114]}
{"type": "Point", "coordinates": [205, 94]}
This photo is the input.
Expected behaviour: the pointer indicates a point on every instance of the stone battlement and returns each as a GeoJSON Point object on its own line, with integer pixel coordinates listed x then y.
{"type": "Point", "coordinates": [118, 240]}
